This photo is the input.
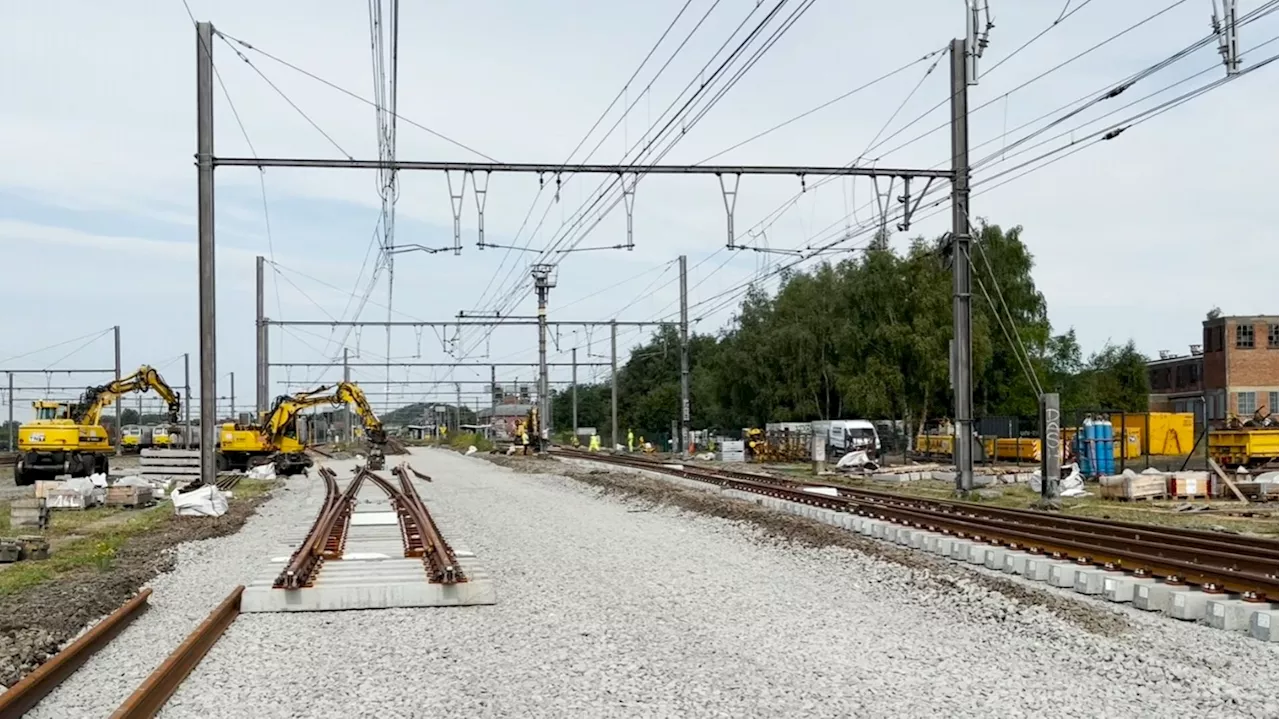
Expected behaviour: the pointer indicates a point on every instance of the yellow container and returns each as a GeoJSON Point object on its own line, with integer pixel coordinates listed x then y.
{"type": "Point", "coordinates": [1018, 449]}
{"type": "Point", "coordinates": [1236, 447]}
{"type": "Point", "coordinates": [1172, 433]}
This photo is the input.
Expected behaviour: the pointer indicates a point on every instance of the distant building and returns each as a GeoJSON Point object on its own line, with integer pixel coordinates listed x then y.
{"type": "Point", "coordinates": [503, 418]}
{"type": "Point", "coordinates": [1235, 372]}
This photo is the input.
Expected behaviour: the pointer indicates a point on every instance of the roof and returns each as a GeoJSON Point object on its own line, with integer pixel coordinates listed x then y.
{"type": "Point", "coordinates": [1238, 318]}
{"type": "Point", "coordinates": [505, 410]}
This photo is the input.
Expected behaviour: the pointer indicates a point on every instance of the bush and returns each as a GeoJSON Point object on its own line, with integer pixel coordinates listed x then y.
{"type": "Point", "coordinates": [460, 442]}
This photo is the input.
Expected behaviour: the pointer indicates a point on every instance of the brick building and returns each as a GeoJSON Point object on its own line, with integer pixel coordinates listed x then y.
{"type": "Point", "coordinates": [1241, 365]}
{"type": "Point", "coordinates": [1234, 372]}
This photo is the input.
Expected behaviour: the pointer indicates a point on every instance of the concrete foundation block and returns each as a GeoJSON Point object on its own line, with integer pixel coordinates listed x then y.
{"type": "Point", "coordinates": [931, 543]}
{"type": "Point", "coordinates": [943, 476]}
{"type": "Point", "coordinates": [880, 530]}
{"type": "Point", "coordinates": [1156, 597]}
{"type": "Point", "coordinates": [1063, 574]}
{"type": "Point", "coordinates": [1016, 562]}
{"type": "Point", "coordinates": [1190, 606]}
{"type": "Point", "coordinates": [1090, 581]}
{"type": "Point", "coordinates": [867, 526]}
{"type": "Point", "coordinates": [944, 545]}
{"type": "Point", "coordinates": [984, 480]}
{"type": "Point", "coordinates": [1230, 614]}
{"type": "Point", "coordinates": [960, 549]}
{"type": "Point", "coordinates": [1039, 568]}
{"type": "Point", "coordinates": [1264, 624]}
{"type": "Point", "coordinates": [977, 554]}
{"type": "Point", "coordinates": [918, 539]}
{"type": "Point", "coordinates": [994, 558]}
{"type": "Point", "coordinates": [1121, 588]}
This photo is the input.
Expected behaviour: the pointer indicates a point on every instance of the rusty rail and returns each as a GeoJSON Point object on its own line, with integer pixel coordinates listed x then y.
{"type": "Point", "coordinates": [327, 536]}
{"type": "Point", "coordinates": [1246, 565]}
{"type": "Point", "coordinates": [421, 536]}
{"type": "Point", "coordinates": [21, 697]}
{"type": "Point", "coordinates": [148, 699]}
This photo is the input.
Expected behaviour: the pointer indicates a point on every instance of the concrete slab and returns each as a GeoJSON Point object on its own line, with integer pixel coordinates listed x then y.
{"type": "Point", "coordinates": [869, 526]}
{"type": "Point", "coordinates": [1156, 597]}
{"type": "Point", "coordinates": [918, 539]}
{"type": "Point", "coordinates": [960, 549]}
{"type": "Point", "coordinates": [1189, 606]}
{"type": "Point", "coordinates": [1264, 624]}
{"type": "Point", "coordinates": [373, 572]}
{"type": "Point", "coordinates": [1039, 568]}
{"type": "Point", "coordinates": [1121, 588]}
{"type": "Point", "coordinates": [1230, 614]}
{"type": "Point", "coordinates": [977, 554]}
{"type": "Point", "coordinates": [944, 545]}
{"type": "Point", "coordinates": [906, 535]}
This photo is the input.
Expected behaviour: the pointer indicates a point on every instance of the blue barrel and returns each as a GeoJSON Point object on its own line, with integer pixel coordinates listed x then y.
{"type": "Point", "coordinates": [1086, 451]}
{"type": "Point", "coordinates": [1106, 448]}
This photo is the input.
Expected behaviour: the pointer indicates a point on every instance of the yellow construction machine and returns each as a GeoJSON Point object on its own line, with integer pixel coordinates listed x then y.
{"type": "Point", "coordinates": [276, 440]}
{"type": "Point", "coordinates": [70, 439]}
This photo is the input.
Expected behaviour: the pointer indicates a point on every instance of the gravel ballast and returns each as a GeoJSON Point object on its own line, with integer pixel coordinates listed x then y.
{"type": "Point", "coordinates": [613, 605]}
{"type": "Point", "coordinates": [204, 574]}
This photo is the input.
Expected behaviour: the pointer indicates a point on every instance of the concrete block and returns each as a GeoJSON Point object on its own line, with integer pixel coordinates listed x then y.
{"type": "Point", "coordinates": [1230, 614]}
{"type": "Point", "coordinates": [943, 476]}
{"type": "Point", "coordinates": [1039, 567]}
{"type": "Point", "coordinates": [868, 526]}
{"type": "Point", "coordinates": [994, 558]}
{"type": "Point", "coordinates": [1016, 562]}
{"type": "Point", "coordinates": [931, 543]}
{"type": "Point", "coordinates": [918, 539]}
{"type": "Point", "coordinates": [1122, 588]}
{"type": "Point", "coordinates": [1090, 581]}
{"type": "Point", "coordinates": [944, 545]}
{"type": "Point", "coordinates": [1156, 596]}
{"type": "Point", "coordinates": [977, 554]}
{"type": "Point", "coordinates": [881, 530]}
{"type": "Point", "coordinates": [960, 549]}
{"type": "Point", "coordinates": [1063, 574]}
{"type": "Point", "coordinates": [984, 480]}
{"type": "Point", "coordinates": [1189, 606]}
{"type": "Point", "coordinates": [1264, 624]}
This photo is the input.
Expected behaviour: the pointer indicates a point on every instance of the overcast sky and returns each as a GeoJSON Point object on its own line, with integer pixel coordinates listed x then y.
{"type": "Point", "coordinates": [1135, 237]}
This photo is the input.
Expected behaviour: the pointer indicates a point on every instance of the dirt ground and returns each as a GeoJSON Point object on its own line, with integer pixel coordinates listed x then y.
{"type": "Point", "coordinates": [45, 603]}
{"type": "Point", "coordinates": [779, 527]}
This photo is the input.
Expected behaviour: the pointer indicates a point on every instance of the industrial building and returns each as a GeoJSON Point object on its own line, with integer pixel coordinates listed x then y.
{"type": "Point", "coordinates": [1235, 372]}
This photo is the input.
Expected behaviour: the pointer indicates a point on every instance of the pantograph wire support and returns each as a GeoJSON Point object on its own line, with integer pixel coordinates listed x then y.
{"type": "Point", "coordinates": [1226, 30]}
{"type": "Point", "coordinates": [481, 189]}
{"type": "Point", "coordinates": [455, 202]}
{"type": "Point", "coordinates": [908, 207]}
{"type": "Point", "coordinates": [629, 200]}
{"type": "Point", "coordinates": [730, 202]}
{"type": "Point", "coordinates": [977, 35]}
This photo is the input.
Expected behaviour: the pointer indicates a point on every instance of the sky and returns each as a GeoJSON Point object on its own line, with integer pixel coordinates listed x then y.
{"type": "Point", "coordinates": [1135, 237]}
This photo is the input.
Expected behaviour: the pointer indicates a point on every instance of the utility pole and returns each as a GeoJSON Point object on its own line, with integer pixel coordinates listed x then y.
{"type": "Point", "coordinates": [575, 391]}
{"type": "Point", "coordinates": [346, 408]}
{"type": "Point", "coordinates": [208, 296]}
{"type": "Point", "coordinates": [493, 395]}
{"type": "Point", "coordinates": [263, 385]}
{"type": "Point", "coordinates": [613, 382]}
{"type": "Point", "coordinates": [544, 280]}
{"type": "Point", "coordinates": [186, 396]}
{"type": "Point", "coordinates": [1050, 450]}
{"type": "Point", "coordinates": [12, 446]}
{"type": "Point", "coordinates": [233, 396]}
{"type": "Point", "coordinates": [119, 428]}
{"type": "Point", "coordinates": [457, 408]}
{"type": "Point", "coordinates": [961, 306]}
{"type": "Point", "coordinates": [684, 356]}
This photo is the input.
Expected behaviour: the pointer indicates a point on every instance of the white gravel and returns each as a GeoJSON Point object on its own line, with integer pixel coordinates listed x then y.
{"type": "Point", "coordinates": [616, 609]}
{"type": "Point", "coordinates": [205, 573]}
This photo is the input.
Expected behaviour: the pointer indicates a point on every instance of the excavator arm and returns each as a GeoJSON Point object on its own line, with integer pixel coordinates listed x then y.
{"type": "Point", "coordinates": [88, 411]}
{"type": "Point", "coordinates": [281, 420]}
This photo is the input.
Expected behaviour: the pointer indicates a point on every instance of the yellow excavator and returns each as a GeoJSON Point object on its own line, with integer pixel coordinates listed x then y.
{"type": "Point", "coordinates": [70, 439]}
{"type": "Point", "coordinates": [275, 440]}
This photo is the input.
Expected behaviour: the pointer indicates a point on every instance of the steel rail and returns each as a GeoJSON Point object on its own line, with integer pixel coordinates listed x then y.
{"type": "Point", "coordinates": [421, 537]}
{"type": "Point", "coordinates": [1214, 569]}
{"type": "Point", "coordinates": [18, 699]}
{"type": "Point", "coordinates": [320, 543]}
{"type": "Point", "coordinates": [1260, 547]}
{"type": "Point", "coordinates": [149, 698]}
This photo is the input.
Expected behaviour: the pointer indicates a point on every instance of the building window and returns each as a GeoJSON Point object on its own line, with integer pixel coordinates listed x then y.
{"type": "Point", "coordinates": [1246, 404]}
{"type": "Point", "coordinates": [1272, 399]}
{"type": "Point", "coordinates": [1195, 373]}
{"type": "Point", "coordinates": [1244, 337]}
{"type": "Point", "coordinates": [1273, 336]}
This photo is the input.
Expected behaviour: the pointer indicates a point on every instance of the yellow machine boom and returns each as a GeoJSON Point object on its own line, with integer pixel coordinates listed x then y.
{"type": "Point", "coordinates": [70, 439]}
{"type": "Point", "coordinates": [276, 437]}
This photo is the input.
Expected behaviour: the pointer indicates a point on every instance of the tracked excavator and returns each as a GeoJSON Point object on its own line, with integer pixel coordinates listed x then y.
{"type": "Point", "coordinates": [70, 439]}
{"type": "Point", "coordinates": [275, 440]}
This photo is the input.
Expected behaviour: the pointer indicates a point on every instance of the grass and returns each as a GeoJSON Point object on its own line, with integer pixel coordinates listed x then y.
{"type": "Point", "coordinates": [91, 539]}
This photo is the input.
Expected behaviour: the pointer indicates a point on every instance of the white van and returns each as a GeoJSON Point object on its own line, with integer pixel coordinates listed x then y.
{"type": "Point", "coordinates": [847, 435]}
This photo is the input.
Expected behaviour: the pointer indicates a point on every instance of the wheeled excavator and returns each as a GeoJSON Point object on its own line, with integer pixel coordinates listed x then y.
{"type": "Point", "coordinates": [70, 439]}
{"type": "Point", "coordinates": [275, 440]}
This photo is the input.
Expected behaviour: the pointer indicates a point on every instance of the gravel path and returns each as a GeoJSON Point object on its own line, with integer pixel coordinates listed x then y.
{"type": "Point", "coordinates": [612, 608]}
{"type": "Point", "coordinates": [205, 573]}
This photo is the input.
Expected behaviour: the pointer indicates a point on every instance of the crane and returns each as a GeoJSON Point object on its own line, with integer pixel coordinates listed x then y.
{"type": "Point", "coordinates": [276, 438]}
{"type": "Point", "coordinates": [70, 439]}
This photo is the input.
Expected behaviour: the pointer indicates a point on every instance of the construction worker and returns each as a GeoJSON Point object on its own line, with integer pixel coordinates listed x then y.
{"type": "Point", "coordinates": [631, 441]}
{"type": "Point", "coordinates": [524, 438]}
{"type": "Point", "coordinates": [594, 445]}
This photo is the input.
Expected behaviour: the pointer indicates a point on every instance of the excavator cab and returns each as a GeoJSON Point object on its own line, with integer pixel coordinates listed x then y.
{"type": "Point", "coordinates": [48, 411]}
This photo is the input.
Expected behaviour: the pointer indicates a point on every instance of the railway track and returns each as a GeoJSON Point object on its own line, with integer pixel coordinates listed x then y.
{"type": "Point", "coordinates": [325, 541]}
{"type": "Point", "coordinates": [1217, 563]}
